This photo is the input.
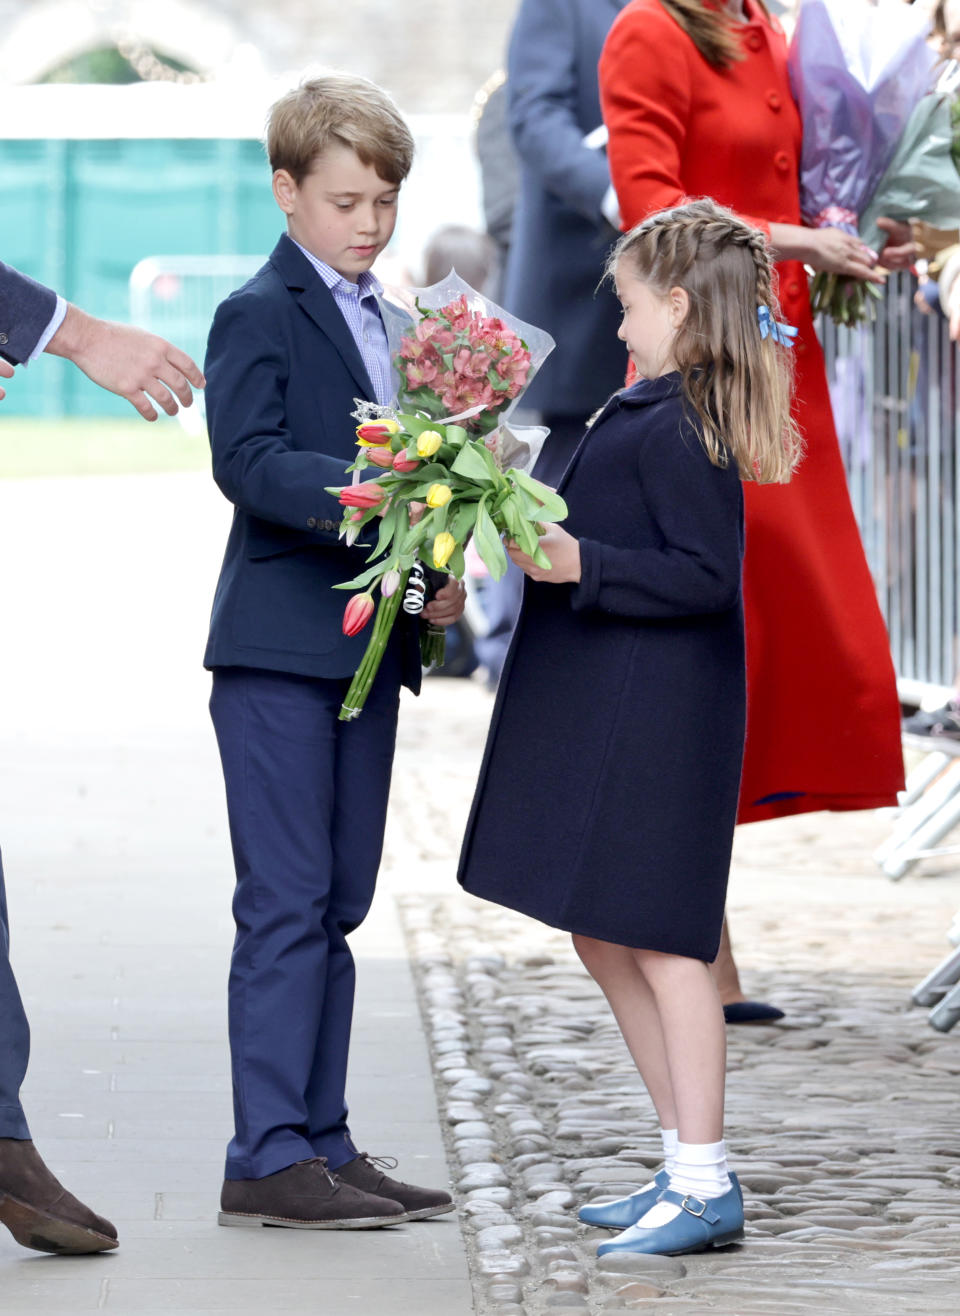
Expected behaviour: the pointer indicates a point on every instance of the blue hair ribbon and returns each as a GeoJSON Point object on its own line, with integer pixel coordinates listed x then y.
{"type": "Point", "coordinates": [781, 333]}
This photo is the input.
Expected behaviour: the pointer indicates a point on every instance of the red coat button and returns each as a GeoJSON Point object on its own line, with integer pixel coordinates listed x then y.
{"type": "Point", "coordinates": [774, 100]}
{"type": "Point", "coordinates": [782, 162]}
{"type": "Point", "coordinates": [755, 41]}
{"type": "Point", "coordinates": [793, 288]}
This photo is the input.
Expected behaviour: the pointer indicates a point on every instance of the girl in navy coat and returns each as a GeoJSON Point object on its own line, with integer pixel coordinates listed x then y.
{"type": "Point", "coordinates": [621, 708]}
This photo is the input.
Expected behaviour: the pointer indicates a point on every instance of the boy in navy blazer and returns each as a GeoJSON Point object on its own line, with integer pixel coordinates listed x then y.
{"type": "Point", "coordinates": [288, 354]}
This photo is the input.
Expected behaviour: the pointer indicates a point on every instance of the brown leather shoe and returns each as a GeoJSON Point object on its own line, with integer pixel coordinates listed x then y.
{"type": "Point", "coordinates": [38, 1210]}
{"type": "Point", "coordinates": [305, 1196]}
{"type": "Point", "coordinates": [367, 1173]}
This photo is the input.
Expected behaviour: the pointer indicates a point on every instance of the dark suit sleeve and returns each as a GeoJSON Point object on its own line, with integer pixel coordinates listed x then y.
{"type": "Point", "coordinates": [255, 462]}
{"type": "Point", "coordinates": [697, 508]}
{"type": "Point", "coordinates": [542, 85]}
{"type": "Point", "coordinates": [26, 308]}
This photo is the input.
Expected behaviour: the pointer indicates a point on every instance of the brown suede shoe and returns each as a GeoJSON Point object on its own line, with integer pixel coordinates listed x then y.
{"type": "Point", "coordinates": [304, 1196]}
{"type": "Point", "coordinates": [38, 1210]}
{"type": "Point", "coordinates": [367, 1173]}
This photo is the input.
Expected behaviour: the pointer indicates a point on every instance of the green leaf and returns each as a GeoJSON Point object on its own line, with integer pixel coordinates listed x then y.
{"type": "Point", "coordinates": [463, 519]}
{"type": "Point", "coordinates": [389, 525]}
{"type": "Point", "coordinates": [365, 577]}
{"type": "Point", "coordinates": [456, 435]}
{"type": "Point", "coordinates": [488, 542]}
{"type": "Point", "coordinates": [552, 507]}
{"type": "Point", "coordinates": [471, 465]}
{"type": "Point", "coordinates": [541, 559]}
{"type": "Point", "coordinates": [496, 382]}
{"type": "Point", "coordinates": [456, 564]}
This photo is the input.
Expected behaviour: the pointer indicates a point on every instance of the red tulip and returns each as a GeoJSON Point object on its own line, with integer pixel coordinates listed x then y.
{"type": "Point", "coordinates": [381, 457]}
{"type": "Point", "coordinates": [403, 463]}
{"type": "Point", "coordinates": [357, 613]}
{"type": "Point", "coordinates": [362, 495]}
{"type": "Point", "coordinates": [376, 432]}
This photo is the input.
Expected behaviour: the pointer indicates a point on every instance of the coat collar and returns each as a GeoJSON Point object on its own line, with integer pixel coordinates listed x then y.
{"type": "Point", "coordinates": [318, 302]}
{"type": "Point", "coordinates": [640, 394]}
{"type": "Point", "coordinates": [644, 391]}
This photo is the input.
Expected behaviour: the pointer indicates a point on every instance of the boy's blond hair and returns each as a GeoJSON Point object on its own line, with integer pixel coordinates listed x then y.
{"type": "Point", "coordinates": [338, 109]}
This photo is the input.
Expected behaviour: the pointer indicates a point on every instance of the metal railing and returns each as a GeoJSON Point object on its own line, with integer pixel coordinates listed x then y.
{"type": "Point", "coordinates": [894, 387]}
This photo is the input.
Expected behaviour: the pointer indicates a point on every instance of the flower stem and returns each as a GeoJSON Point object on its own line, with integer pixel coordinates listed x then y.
{"type": "Point", "coordinates": [363, 678]}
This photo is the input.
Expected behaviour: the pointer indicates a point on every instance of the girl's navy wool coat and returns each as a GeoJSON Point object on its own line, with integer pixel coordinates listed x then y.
{"type": "Point", "coordinates": [608, 793]}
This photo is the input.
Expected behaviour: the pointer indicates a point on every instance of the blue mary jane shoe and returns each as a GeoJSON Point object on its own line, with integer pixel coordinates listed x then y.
{"type": "Point", "coordinates": [625, 1211]}
{"type": "Point", "coordinates": [700, 1225]}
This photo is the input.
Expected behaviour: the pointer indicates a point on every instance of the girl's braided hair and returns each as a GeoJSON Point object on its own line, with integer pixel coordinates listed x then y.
{"type": "Point", "coordinates": [736, 381]}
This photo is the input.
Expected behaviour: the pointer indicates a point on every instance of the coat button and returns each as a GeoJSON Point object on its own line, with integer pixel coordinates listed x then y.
{"type": "Point", "coordinates": [801, 348]}
{"type": "Point", "coordinates": [782, 162]}
{"type": "Point", "coordinates": [311, 523]}
{"type": "Point", "coordinates": [4, 338]}
{"type": "Point", "coordinates": [774, 101]}
{"type": "Point", "coordinates": [755, 41]}
{"type": "Point", "coordinates": [793, 288]}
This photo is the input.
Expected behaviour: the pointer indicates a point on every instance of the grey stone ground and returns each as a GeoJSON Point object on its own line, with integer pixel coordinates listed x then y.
{"type": "Point", "coordinates": [843, 1123]}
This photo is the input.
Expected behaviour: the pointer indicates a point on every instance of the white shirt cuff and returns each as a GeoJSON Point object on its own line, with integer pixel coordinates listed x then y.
{"type": "Point", "coordinates": [610, 207]}
{"type": "Point", "coordinates": [55, 323]}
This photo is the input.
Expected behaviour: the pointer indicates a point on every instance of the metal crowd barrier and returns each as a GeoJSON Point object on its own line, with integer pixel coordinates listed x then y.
{"type": "Point", "coordinates": [895, 398]}
{"type": "Point", "coordinates": [894, 388]}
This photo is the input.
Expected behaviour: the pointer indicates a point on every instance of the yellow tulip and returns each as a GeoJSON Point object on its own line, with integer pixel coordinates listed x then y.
{"type": "Point", "coordinates": [443, 546]}
{"type": "Point", "coordinates": [428, 443]}
{"type": "Point", "coordinates": [438, 495]}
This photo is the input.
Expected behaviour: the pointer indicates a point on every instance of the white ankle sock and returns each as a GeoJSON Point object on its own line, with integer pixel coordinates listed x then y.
{"type": "Point", "coordinates": [700, 1169]}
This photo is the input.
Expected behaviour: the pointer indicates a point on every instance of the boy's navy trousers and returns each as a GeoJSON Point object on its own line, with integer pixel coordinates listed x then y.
{"type": "Point", "coordinates": [307, 803]}
{"type": "Point", "coordinates": [14, 1036]}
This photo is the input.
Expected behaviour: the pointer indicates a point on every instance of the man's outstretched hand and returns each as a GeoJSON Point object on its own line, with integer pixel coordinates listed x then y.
{"type": "Point", "coordinates": [128, 361]}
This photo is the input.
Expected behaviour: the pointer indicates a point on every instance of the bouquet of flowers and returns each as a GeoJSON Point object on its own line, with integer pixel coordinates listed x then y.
{"type": "Point", "coordinates": [461, 365]}
{"type": "Point", "coordinates": [922, 180]}
{"type": "Point", "coordinates": [860, 74]}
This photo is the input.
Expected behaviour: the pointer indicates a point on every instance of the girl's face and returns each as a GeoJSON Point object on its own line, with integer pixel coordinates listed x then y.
{"type": "Point", "coordinates": [650, 322]}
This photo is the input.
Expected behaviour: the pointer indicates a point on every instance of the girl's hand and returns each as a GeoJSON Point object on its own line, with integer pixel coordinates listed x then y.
{"type": "Point", "coordinates": [837, 252]}
{"type": "Point", "coordinates": [899, 251]}
{"type": "Point", "coordinates": [447, 604]}
{"type": "Point", "coordinates": [562, 550]}
{"type": "Point", "coordinates": [6, 370]}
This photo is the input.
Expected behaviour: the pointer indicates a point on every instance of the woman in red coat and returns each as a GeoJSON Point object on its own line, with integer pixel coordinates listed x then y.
{"type": "Point", "coordinates": [697, 100]}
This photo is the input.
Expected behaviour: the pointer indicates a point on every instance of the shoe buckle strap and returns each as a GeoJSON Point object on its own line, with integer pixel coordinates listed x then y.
{"type": "Point", "coordinates": [689, 1202]}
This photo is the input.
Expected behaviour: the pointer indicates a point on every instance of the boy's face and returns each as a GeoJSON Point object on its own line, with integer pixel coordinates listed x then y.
{"type": "Point", "coordinates": [343, 211]}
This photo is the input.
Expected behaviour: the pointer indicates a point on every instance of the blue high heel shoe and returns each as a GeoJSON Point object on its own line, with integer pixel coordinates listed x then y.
{"type": "Point", "coordinates": [699, 1226]}
{"type": "Point", "coordinates": [625, 1211]}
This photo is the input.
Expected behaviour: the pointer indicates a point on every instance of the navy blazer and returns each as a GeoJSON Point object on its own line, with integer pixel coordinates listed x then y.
{"type": "Point", "coordinates": [283, 372]}
{"type": "Point", "coordinates": [560, 239]}
{"type": "Point", "coordinates": [26, 308]}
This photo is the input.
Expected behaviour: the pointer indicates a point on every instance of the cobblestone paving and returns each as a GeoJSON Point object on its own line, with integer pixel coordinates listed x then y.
{"type": "Point", "coordinates": [843, 1122]}
{"type": "Point", "coordinates": [843, 1125]}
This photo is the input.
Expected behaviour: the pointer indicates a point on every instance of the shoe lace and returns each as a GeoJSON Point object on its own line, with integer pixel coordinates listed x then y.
{"type": "Point", "coordinates": [382, 1163]}
{"type": "Point", "coordinates": [321, 1164]}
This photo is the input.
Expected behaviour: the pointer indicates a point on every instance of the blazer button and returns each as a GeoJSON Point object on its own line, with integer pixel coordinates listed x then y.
{"type": "Point", "coordinates": [774, 101]}
{"type": "Point", "coordinates": [793, 288]}
{"type": "Point", "coordinates": [311, 523]}
{"type": "Point", "coordinates": [782, 162]}
{"type": "Point", "coordinates": [4, 338]}
{"type": "Point", "coordinates": [329, 525]}
{"type": "Point", "coordinates": [755, 41]}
